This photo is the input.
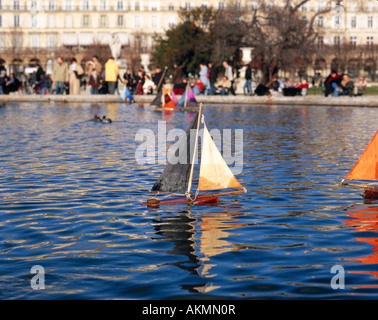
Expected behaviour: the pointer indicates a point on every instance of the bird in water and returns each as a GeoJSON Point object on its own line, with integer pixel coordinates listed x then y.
{"type": "Point", "coordinates": [104, 119]}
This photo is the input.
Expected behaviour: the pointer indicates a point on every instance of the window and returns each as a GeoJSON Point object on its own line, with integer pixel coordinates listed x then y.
{"type": "Point", "coordinates": [34, 21]}
{"type": "Point", "coordinates": [154, 23]}
{"type": "Point", "coordinates": [68, 5]}
{"type": "Point", "coordinates": [120, 6]}
{"type": "Point", "coordinates": [103, 22]}
{"type": "Point", "coordinates": [51, 5]}
{"type": "Point", "coordinates": [68, 21]}
{"type": "Point", "coordinates": [85, 21]}
{"type": "Point", "coordinates": [34, 41]}
{"type": "Point", "coordinates": [51, 41]}
{"type": "Point", "coordinates": [85, 6]}
{"type": "Point", "coordinates": [370, 6]}
{"type": "Point", "coordinates": [337, 21]}
{"type": "Point", "coordinates": [136, 22]}
{"type": "Point", "coordinates": [320, 22]}
{"type": "Point", "coordinates": [51, 20]}
{"type": "Point", "coordinates": [304, 7]}
{"type": "Point", "coordinates": [336, 40]}
{"type": "Point", "coordinates": [33, 6]}
{"type": "Point", "coordinates": [187, 6]}
{"type": "Point", "coordinates": [370, 22]}
{"type": "Point", "coordinates": [103, 5]}
{"type": "Point", "coordinates": [171, 7]}
{"type": "Point", "coordinates": [353, 6]}
{"type": "Point", "coordinates": [16, 21]}
{"type": "Point", "coordinates": [120, 21]}
{"type": "Point", "coordinates": [353, 40]}
{"type": "Point", "coordinates": [2, 42]}
{"type": "Point", "coordinates": [370, 40]}
{"type": "Point", "coordinates": [16, 5]}
{"type": "Point", "coordinates": [221, 5]}
{"type": "Point", "coordinates": [353, 22]}
{"type": "Point", "coordinates": [1, 21]}
{"type": "Point", "coordinates": [17, 41]}
{"type": "Point", "coordinates": [137, 6]}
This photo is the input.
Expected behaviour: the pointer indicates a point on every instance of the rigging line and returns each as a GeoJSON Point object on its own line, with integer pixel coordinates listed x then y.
{"type": "Point", "coordinates": [194, 153]}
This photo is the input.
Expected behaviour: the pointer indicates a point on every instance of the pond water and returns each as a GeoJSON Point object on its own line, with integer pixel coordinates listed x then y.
{"type": "Point", "coordinates": [70, 194]}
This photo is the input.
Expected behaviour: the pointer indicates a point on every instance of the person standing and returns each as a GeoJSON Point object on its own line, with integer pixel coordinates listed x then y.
{"type": "Point", "coordinates": [204, 79]}
{"type": "Point", "coordinates": [111, 74]}
{"type": "Point", "coordinates": [248, 80]}
{"type": "Point", "coordinates": [94, 64]}
{"type": "Point", "coordinates": [94, 82]}
{"type": "Point", "coordinates": [75, 72]}
{"type": "Point", "coordinates": [158, 77]}
{"type": "Point", "coordinates": [176, 77]}
{"type": "Point", "coordinates": [213, 78]}
{"type": "Point", "coordinates": [228, 72]}
{"type": "Point", "coordinates": [60, 75]}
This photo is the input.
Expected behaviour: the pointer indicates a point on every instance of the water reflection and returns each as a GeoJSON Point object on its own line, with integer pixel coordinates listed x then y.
{"type": "Point", "coordinates": [199, 237]}
{"type": "Point", "coordinates": [365, 220]}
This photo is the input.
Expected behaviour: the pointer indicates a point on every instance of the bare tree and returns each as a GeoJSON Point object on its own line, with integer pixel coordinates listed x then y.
{"type": "Point", "coordinates": [282, 37]}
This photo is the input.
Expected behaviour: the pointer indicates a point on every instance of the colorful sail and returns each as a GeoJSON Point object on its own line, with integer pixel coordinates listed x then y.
{"type": "Point", "coordinates": [174, 98]}
{"type": "Point", "coordinates": [188, 99]}
{"type": "Point", "coordinates": [175, 177]}
{"type": "Point", "coordinates": [158, 99]}
{"type": "Point", "coordinates": [214, 172]}
{"type": "Point", "coordinates": [168, 102]}
{"type": "Point", "coordinates": [366, 168]}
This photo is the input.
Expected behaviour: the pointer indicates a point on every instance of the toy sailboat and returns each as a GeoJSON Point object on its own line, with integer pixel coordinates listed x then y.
{"type": "Point", "coordinates": [163, 101]}
{"type": "Point", "coordinates": [188, 100]}
{"type": "Point", "coordinates": [214, 174]}
{"type": "Point", "coordinates": [366, 168]}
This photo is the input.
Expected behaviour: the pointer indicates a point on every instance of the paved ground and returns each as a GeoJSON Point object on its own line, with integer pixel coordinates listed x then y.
{"type": "Point", "coordinates": [363, 101]}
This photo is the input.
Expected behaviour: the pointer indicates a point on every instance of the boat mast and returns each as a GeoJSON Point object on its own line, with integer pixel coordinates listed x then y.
{"type": "Point", "coordinates": [186, 94]}
{"type": "Point", "coordinates": [194, 153]}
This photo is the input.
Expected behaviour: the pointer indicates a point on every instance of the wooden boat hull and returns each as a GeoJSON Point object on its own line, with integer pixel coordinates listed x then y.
{"type": "Point", "coordinates": [370, 193]}
{"type": "Point", "coordinates": [200, 200]}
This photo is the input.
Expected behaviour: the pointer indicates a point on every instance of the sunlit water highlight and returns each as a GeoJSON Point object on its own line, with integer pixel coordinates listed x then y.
{"type": "Point", "coordinates": [70, 193]}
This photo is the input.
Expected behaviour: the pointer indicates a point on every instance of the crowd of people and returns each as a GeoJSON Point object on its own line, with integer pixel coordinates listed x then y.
{"type": "Point", "coordinates": [69, 78]}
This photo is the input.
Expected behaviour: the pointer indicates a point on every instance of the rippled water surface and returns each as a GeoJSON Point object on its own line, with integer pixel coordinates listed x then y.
{"type": "Point", "coordinates": [70, 193]}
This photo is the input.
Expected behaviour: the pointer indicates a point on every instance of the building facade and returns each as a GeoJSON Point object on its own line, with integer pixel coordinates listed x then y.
{"type": "Point", "coordinates": [40, 30]}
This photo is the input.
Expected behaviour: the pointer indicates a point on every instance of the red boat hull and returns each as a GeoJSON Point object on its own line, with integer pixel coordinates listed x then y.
{"type": "Point", "coordinates": [205, 199]}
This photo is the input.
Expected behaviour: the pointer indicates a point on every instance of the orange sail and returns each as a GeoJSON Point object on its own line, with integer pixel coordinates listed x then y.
{"type": "Point", "coordinates": [168, 102]}
{"type": "Point", "coordinates": [214, 172]}
{"type": "Point", "coordinates": [366, 168]}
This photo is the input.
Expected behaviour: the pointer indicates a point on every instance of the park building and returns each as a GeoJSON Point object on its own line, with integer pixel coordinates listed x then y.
{"type": "Point", "coordinates": [39, 31]}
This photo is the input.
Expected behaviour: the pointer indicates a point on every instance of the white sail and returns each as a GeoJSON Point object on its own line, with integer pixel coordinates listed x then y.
{"type": "Point", "coordinates": [214, 172]}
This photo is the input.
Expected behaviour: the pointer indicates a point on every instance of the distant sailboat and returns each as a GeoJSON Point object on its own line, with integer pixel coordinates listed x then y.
{"type": "Point", "coordinates": [188, 100]}
{"type": "Point", "coordinates": [366, 168]}
{"type": "Point", "coordinates": [163, 101]}
{"type": "Point", "coordinates": [214, 174]}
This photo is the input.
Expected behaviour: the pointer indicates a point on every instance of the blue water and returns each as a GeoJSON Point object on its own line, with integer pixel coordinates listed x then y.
{"type": "Point", "coordinates": [70, 193]}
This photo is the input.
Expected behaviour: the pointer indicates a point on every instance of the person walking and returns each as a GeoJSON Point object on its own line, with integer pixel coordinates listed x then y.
{"type": "Point", "coordinates": [75, 72]}
{"type": "Point", "coordinates": [111, 74]}
{"type": "Point", "coordinates": [228, 72]}
{"type": "Point", "coordinates": [60, 75]}
{"type": "Point", "coordinates": [248, 80]}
